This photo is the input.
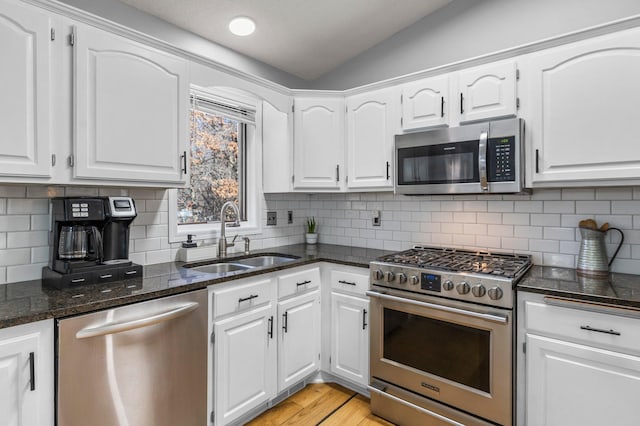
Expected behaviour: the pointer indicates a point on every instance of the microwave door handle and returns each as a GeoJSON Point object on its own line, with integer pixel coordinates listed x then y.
{"type": "Point", "coordinates": [482, 161]}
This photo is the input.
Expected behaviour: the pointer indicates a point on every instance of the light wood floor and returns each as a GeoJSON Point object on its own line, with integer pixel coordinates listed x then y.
{"type": "Point", "coordinates": [325, 404]}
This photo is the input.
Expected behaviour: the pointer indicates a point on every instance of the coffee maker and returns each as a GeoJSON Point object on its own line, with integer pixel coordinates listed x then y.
{"type": "Point", "coordinates": [89, 241]}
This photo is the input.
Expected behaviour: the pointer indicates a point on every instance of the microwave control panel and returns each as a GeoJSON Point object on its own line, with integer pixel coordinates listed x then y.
{"type": "Point", "coordinates": [501, 159]}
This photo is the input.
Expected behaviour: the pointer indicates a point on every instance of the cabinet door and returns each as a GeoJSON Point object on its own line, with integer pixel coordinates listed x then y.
{"type": "Point", "coordinates": [299, 343]}
{"type": "Point", "coordinates": [488, 91]}
{"type": "Point", "coordinates": [276, 150]}
{"type": "Point", "coordinates": [350, 337]}
{"type": "Point", "coordinates": [24, 89]}
{"type": "Point", "coordinates": [318, 143]}
{"type": "Point", "coordinates": [585, 110]}
{"type": "Point", "coordinates": [371, 126]}
{"type": "Point", "coordinates": [425, 103]}
{"type": "Point", "coordinates": [131, 110]}
{"type": "Point", "coordinates": [572, 384]}
{"type": "Point", "coordinates": [26, 398]}
{"type": "Point", "coordinates": [245, 361]}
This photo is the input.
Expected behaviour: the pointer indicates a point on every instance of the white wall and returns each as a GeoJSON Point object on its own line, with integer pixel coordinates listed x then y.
{"type": "Point", "coordinates": [543, 224]}
{"type": "Point", "coordinates": [465, 29]}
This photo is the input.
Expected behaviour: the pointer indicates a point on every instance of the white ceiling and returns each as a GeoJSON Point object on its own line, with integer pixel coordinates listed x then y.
{"type": "Point", "coordinates": [306, 38]}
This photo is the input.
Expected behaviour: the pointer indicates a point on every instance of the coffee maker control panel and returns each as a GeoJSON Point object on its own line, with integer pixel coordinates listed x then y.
{"type": "Point", "coordinates": [79, 210]}
{"type": "Point", "coordinates": [122, 207]}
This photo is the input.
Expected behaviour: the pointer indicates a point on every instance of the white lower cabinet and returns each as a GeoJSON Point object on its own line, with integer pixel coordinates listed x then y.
{"type": "Point", "coordinates": [245, 354]}
{"type": "Point", "coordinates": [350, 337]}
{"type": "Point", "coordinates": [26, 375]}
{"type": "Point", "coordinates": [299, 341]}
{"type": "Point", "coordinates": [581, 367]}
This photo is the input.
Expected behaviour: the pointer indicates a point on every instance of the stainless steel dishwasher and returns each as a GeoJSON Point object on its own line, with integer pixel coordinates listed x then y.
{"type": "Point", "coordinates": [136, 365]}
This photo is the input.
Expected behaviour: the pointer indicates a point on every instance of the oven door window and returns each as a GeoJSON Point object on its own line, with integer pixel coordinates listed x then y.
{"type": "Point", "coordinates": [439, 164]}
{"type": "Point", "coordinates": [452, 351]}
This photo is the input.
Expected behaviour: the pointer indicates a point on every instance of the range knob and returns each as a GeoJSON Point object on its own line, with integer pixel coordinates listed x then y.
{"type": "Point", "coordinates": [463, 287]}
{"type": "Point", "coordinates": [414, 280]}
{"type": "Point", "coordinates": [495, 293]}
{"type": "Point", "coordinates": [390, 276]}
{"type": "Point", "coordinates": [378, 274]}
{"type": "Point", "coordinates": [402, 278]}
{"type": "Point", "coordinates": [447, 285]}
{"type": "Point", "coordinates": [478, 290]}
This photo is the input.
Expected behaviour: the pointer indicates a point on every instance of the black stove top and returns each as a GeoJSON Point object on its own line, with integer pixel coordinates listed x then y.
{"type": "Point", "coordinates": [459, 260]}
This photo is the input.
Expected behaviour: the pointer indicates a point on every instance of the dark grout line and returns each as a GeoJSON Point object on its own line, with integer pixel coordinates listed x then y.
{"type": "Point", "coordinates": [337, 408]}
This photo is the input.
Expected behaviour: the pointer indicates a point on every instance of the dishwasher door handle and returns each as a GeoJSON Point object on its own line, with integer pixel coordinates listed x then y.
{"type": "Point", "coordinates": [118, 327]}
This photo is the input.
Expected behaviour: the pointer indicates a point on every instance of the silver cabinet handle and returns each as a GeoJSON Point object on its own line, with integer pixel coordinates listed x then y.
{"type": "Point", "coordinates": [415, 407]}
{"type": "Point", "coordinates": [490, 317]}
{"type": "Point", "coordinates": [118, 327]}
{"type": "Point", "coordinates": [482, 161]}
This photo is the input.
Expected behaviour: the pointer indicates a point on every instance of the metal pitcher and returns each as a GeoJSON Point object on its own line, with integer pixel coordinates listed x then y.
{"type": "Point", "coordinates": [592, 259]}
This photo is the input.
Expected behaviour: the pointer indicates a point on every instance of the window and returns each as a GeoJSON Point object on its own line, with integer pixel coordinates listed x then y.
{"type": "Point", "coordinates": [224, 148]}
{"type": "Point", "coordinates": [218, 144]}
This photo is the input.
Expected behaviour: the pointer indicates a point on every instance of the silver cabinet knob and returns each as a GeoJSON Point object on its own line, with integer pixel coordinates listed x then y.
{"type": "Point", "coordinates": [390, 276]}
{"type": "Point", "coordinates": [414, 280]}
{"type": "Point", "coordinates": [463, 287]}
{"type": "Point", "coordinates": [402, 278]}
{"type": "Point", "coordinates": [478, 290]}
{"type": "Point", "coordinates": [378, 274]}
{"type": "Point", "coordinates": [495, 293]}
{"type": "Point", "coordinates": [447, 285]}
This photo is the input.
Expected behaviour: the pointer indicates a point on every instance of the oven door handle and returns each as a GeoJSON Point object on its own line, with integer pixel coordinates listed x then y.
{"type": "Point", "coordinates": [413, 406]}
{"type": "Point", "coordinates": [489, 317]}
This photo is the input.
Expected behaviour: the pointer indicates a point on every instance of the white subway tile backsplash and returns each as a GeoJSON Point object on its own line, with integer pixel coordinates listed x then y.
{"type": "Point", "coordinates": [14, 223]}
{"type": "Point", "coordinates": [567, 207]}
{"type": "Point", "coordinates": [578, 194]}
{"type": "Point", "coordinates": [9, 257]}
{"type": "Point", "coordinates": [31, 271]}
{"type": "Point", "coordinates": [593, 207]}
{"type": "Point", "coordinates": [515, 218]}
{"type": "Point", "coordinates": [27, 239]}
{"type": "Point", "coordinates": [545, 219]}
{"type": "Point", "coordinates": [27, 206]}
{"type": "Point", "coordinates": [11, 191]}
{"type": "Point", "coordinates": [542, 224]}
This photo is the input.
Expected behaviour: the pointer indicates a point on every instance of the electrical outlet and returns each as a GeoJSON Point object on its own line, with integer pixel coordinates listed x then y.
{"type": "Point", "coordinates": [272, 218]}
{"type": "Point", "coordinates": [290, 216]}
{"type": "Point", "coordinates": [376, 218]}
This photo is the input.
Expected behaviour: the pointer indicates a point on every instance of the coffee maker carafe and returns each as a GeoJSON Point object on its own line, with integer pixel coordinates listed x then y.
{"type": "Point", "coordinates": [89, 241]}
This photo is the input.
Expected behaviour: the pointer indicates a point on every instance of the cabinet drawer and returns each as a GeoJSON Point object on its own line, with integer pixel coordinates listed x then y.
{"type": "Point", "coordinates": [610, 331]}
{"type": "Point", "coordinates": [297, 282]}
{"type": "Point", "coordinates": [350, 281]}
{"type": "Point", "coordinates": [241, 296]}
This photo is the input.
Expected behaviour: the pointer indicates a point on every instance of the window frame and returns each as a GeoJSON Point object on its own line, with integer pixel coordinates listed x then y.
{"type": "Point", "coordinates": [253, 172]}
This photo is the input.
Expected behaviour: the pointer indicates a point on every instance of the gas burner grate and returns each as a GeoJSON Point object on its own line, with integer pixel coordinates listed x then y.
{"type": "Point", "coordinates": [455, 260]}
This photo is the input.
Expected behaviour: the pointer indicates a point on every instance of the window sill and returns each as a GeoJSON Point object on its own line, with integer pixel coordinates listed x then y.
{"type": "Point", "coordinates": [208, 232]}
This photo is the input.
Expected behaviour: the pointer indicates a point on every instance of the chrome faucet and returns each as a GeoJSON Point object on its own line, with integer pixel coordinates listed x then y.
{"type": "Point", "coordinates": [222, 241]}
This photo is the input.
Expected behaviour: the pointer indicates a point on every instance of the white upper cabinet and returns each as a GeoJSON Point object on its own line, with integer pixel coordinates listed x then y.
{"type": "Point", "coordinates": [24, 92]}
{"type": "Point", "coordinates": [276, 149]}
{"type": "Point", "coordinates": [131, 105]}
{"type": "Point", "coordinates": [371, 126]}
{"type": "Point", "coordinates": [425, 103]}
{"type": "Point", "coordinates": [487, 91]}
{"type": "Point", "coordinates": [318, 143]}
{"type": "Point", "coordinates": [584, 113]}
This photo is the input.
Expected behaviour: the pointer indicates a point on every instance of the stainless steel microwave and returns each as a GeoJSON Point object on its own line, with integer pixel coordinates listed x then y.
{"type": "Point", "coordinates": [477, 158]}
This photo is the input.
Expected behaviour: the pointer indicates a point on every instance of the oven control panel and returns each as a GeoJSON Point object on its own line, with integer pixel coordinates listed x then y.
{"type": "Point", "coordinates": [476, 288]}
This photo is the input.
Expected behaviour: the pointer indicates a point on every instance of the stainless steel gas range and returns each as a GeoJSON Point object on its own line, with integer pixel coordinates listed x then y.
{"type": "Point", "coordinates": [442, 336]}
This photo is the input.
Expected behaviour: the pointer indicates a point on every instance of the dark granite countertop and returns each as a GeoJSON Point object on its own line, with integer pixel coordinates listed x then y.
{"type": "Point", "coordinates": [617, 289]}
{"type": "Point", "coordinates": [29, 301]}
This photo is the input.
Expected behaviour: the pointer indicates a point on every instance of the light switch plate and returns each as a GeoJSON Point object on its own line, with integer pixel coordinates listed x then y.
{"type": "Point", "coordinates": [272, 218]}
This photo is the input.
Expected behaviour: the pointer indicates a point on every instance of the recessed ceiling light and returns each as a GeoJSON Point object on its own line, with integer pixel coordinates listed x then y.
{"type": "Point", "coordinates": [242, 26]}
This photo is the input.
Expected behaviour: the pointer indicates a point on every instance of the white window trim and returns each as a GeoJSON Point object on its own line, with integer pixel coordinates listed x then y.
{"type": "Point", "coordinates": [254, 196]}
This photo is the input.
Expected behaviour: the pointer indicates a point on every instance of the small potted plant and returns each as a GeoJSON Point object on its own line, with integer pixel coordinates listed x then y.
{"type": "Point", "coordinates": [311, 236]}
